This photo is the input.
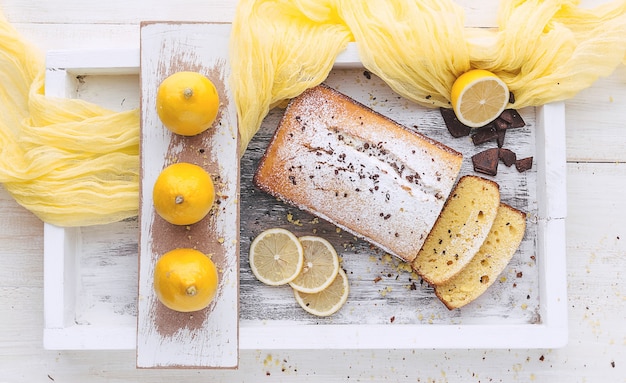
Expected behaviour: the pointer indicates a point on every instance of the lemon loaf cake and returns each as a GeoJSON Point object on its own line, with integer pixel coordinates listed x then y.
{"type": "Point", "coordinates": [345, 163]}
{"type": "Point", "coordinates": [494, 255]}
{"type": "Point", "coordinates": [459, 231]}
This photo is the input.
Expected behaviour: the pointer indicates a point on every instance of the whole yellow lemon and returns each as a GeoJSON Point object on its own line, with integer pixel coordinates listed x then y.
{"type": "Point", "coordinates": [183, 193]}
{"type": "Point", "coordinates": [187, 103]}
{"type": "Point", "coordinates": [185, 280]}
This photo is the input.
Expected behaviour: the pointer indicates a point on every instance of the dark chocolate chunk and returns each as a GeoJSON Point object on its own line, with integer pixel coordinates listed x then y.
{"type": "Point", "coordinates": [507, 156]}
{"type": "Point", "coordinates": [511, 98]}
{"type": "Point", "coordinates": [518, 121]}
{"type": "Point", "coordinates": [507, 115]}
{"type": "Point", "coordinates": [513, 118]}
{"type": "Point", "coordinates": [486, 162]}
{"type": "Point", "coordinates": [501, 134]}
{"type": "Point", "coordinates": [484, 134]}
{"type": "Point", "coordinates": [455, 127]}
{"type": "Point", "coordinates": [501, 124]}
{"type": "Point", "coordinates": [524, 164]}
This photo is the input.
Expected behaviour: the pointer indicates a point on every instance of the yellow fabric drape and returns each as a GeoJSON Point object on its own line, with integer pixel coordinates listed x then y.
{"type": "Point", "coordinates": [74, 163]}
{"type": "Point", "coordinates": [69, 162]}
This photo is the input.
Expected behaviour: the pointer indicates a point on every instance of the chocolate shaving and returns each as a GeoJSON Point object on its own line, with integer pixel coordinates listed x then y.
{"type": "Point", "coordinates": [507, 156]}
{"type": "Point", "coordinates": [524, 164]}
{"type": "Point", "coordinates": [455, 127]}
{"type": "Point", "coordinates": [486, 162]}
{"type": "Point", "coordinates": [484, 134]}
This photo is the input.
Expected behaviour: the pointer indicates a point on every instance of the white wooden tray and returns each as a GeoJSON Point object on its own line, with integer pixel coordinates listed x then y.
{"type": "Point", "coordinates": [527, 308]}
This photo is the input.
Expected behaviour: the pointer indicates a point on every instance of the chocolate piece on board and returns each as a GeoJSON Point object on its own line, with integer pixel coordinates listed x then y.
{"type": "Point", "coordinates": [507, 156]}
{"type": "Point", "coordinates": [506, 115]}
{"type": "Point", "coordinates": [484, 134]}
{"type": "Point", "coordinates": [501, 124]}
{"type": "Point", "coordinates": [524, 164]}
{"type": "Point", "coordinates": [486, 162]}
{"type": "Point", "coordinates": [513, 118]}
{"type": "Point", "coordinates": [455, 127]}
{"type": "Point", "coordinates": [518, 121]}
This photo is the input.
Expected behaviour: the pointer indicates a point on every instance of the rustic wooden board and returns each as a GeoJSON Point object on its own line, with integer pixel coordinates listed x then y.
{"type": "Point", "coordinates": [206, 338]}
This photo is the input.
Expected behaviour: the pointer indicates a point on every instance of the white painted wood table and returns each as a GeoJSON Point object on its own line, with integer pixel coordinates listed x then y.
{"type": "Point", "coordinates": [595, 230]}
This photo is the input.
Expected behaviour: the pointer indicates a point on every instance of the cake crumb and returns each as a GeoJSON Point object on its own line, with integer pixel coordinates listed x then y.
{"type": "Point", "coordinates": [404, 266]}
{"type": "Point", "coordinates": [291, 220]}
{"type": "Point", "coordinates": [386, 291]}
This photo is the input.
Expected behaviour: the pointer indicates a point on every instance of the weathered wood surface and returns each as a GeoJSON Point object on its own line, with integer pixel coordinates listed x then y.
{"type": "Point", "coordinates": [207, 338]}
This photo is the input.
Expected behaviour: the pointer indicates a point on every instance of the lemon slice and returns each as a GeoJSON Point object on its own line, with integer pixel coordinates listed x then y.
{"type": "Point", "coordinates": [321, 265]}
{"type": "Point", "coordinates": [478, 97]}
{"type": "Point", "coordinates": [327, 301]}
{"type": "Point", "coordinates": [276, 256]}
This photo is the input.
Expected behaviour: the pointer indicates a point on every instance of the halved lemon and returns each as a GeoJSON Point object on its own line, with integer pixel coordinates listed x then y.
{"type": "Point", "coordinates": [276, 256]}
{"type": "Point", "coordinates": [327, 301]}
{"type": "Point", "coordinates": [478, 97]}
{"type": "Point", "coordinates": [321, 265]}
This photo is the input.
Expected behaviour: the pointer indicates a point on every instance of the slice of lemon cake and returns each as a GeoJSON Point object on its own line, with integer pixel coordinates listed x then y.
{"type": "Point", "coordinates": [358, 169]}
{"type": "Point", "coordinates": [496, 252]}
{"type": "Point", "coordinates": [460, 229]}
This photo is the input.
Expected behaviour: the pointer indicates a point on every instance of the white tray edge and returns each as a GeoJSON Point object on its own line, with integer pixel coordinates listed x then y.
{"type": "Point", "coordinates": [61, 333]}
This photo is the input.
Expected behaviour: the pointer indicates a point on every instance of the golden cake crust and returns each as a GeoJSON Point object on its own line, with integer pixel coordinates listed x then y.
{"type": "Point", "coordinates": [359, 170]}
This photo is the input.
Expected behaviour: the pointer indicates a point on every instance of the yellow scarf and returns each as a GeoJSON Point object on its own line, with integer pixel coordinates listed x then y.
{"type": "Point", "coordinates": [69, 162]}
{"type": "Point", "coordinates": [73, 163]}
